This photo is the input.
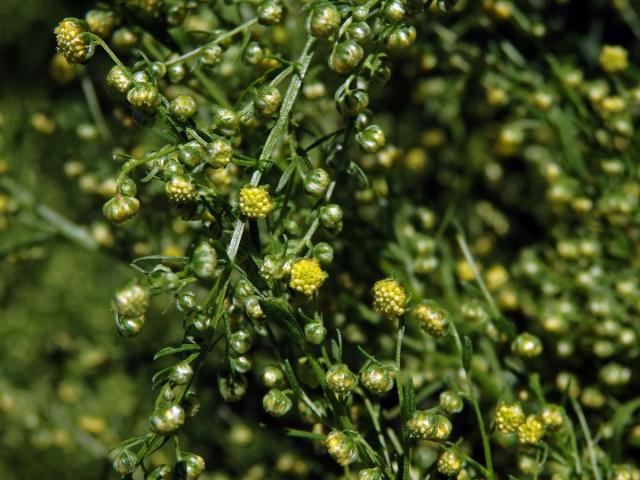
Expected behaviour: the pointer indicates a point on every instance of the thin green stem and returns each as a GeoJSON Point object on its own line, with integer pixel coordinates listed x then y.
{"type": "Point", "coordinates": [587, 438]}
{"type": "Point", "coordinates": [94, 107]}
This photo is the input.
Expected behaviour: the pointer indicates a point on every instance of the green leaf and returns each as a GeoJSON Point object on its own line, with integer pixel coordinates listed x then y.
{"type": "Point", "coordinates": [315, 437]}
{"type": "Point", "coordinates": [191, 347]}
{"type": "Point", "coordinates": [279, 311]}
{"type": "Point", "coordinates": [286, 175]}
{"type": "Point", "coordinates": [467, 351]}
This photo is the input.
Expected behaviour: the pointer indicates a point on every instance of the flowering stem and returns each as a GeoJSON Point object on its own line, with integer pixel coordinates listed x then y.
{"type": "Point", "coordinates": [587, 438]}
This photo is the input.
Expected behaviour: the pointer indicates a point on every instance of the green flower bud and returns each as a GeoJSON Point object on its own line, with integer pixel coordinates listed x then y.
{"type": "Point", "coordinates": [346, 57]}
{"type": "Point", "coordinates": [379, 69]}
{"type": "Point", "coordinates": [183, 107]}
{"type": "Point", "coordinates": [232, 389]}
{"type": "Point", "coordinates": [273, 377]}
{"type": "Point", "coordinates": [189, 467]}
{"type": "Point", "coordinates": [376, 379]}
{"type": "Point", "coordinates": [360, 13]}
{"type": "Point", "coordinates": [314, 332]}
{"type": "Point", "coordinates": [449, 462]}
{"type": "Point", "coordinates": [125, 462]}
{"type": "Point", "coordinates": [270, 12]}
{"type": "Point", "coordinates": [176, 72]}
{"type": "Point", "coordinates": [225, 119]}
{"type": "Point", "coordinates": [552, 416]}
{"type": "Point", "coordinates": [316, 182]}
{"type": "Point", "coordinates": [340, 379]}
{"type": "Point", "coordinates": [393, 11]}
{"type": "Point", "coordinates": [144, 97]}
{"type": "Point", "coordinates": [75, 46]}
{"type": "Point", "coordinates": [360, 32]}
{"type": "Point", "coordinates": [341, 447]}
{"type": "Point", "coordinates": [100, 22]}
{"type": "Point", "coordinates": [191, 153]}
{"type": "Point", "coordinates": [163, 472]}
{"type": "Point", "coordinates": [127, 187]}
{"type": "Point", "coordinates": [371, 139]}
{"type": "Point", "coordinates": [241, 364]}
{"type": "Point", "coordinates": [252, 307]}
{"type": "Point", "coordinates": [219, 152]}
{"type": "Point", "coordinates": [401, 37]}
{"type": "Point", "coordinates": [253, 53]}
{"type": "Point", "coordinates": [211, 55]}
{"type": "Point", "coordinates": [324, 20]}
{"type": "Point", "coordinates": [350, 103]}
{"type": "Point", "coordinates": [240, 341]}
{"type": "Point", "coordinates": [451, 402]}
{"type": "Point", "coordinates": [431, 318]}
{"type": "Point", "coordinates": [119, 80]}
{"type": "Point", "coordinates": [267, 101]}
{"type": "Point", "coordinates": [130, 326]}
{"type": "Point", "coordinates": [276, 403]}
{"type": "Point", "coordinates": [323, 252]}
{"type": "Point", "coordinates": [614, 374]}
{"type": "Point", "coordinates": [181, 373]}
{"type": "Point", "coordinates": [527, 345]}
{"type": "Point", "coordinates": [176, 11]}
{"type": "Point", "coordinates": [121, 208]}
{"type": "Point", "coordinates": [166, 420]}
{"type": "Point", "coordinates": [428, 425]}
{"type": "Point", "coordinates": [180, 189]}
{"type": "Point", "coordinates": [132, 301]}
{"type": "Point", "coordinates": [204, 260]}
{"type": "Point", "coordinates": [331, 216]}
{"type": "Point", "coordinates": [124, 40]}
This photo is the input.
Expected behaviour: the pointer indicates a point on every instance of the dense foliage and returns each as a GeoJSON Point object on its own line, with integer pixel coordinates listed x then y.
{"type": "Point", "coordinates": [373, 239]}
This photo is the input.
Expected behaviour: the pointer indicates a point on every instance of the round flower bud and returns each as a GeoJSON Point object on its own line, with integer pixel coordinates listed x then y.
{"type": "Point", "coordinates": [267, 100]}
{"type": "Point", "coordinates": [204, 260]}
{"type": "Point", "coordinates": [552, 416]}
{"type": "Point", "coordinates": [219, 152]}
{"type": "Point", "coordinates": [119, 80]}
{"type": "Point", "coordinates": [370, 474]}
{"type": "Point", "coordinates": [189, 467]}
{"type": "Point", "coordinates": [401, 38]}
{"type": "Point", "coordinates": [324, 20]}
{"type": "Point", "coordinates": [614, 374]}
{"type": "Point", "coordinates": [273, 377]}
{"type": "Point", "coordinates": [167, 419]}
{"type": "Point", "coordinates": [130, 326]}
{"type": "Point", "coordinates": [100, 22]}
{"type": "Point", "coordinates": [269, 12]}
{"type": "Point", "coordinates": [393, 11]}
{"type": "Point", "coordinates": [340, 379]}
{"type": "Point", "coordinates": [125, 462]}
{"type": "Point", "coordinates": [527, 345]}
{"type": "Point", "coordinates": [345, 57]}
{"type": "Point", "coordinates": [314, 332]}
{"type": "Point", "coordinates": [127, 187]}
{"type": "Point", "coordinates": [331, 216]}
{"type": "Point", "coordinates": [341, 447]}
{"type": "Point", "coordinates": [181, 373]}
{"type": "Point", "coordinates": [443, 429]}
{"type": "Point", "coordinates": [180, 189]}
{"type": "Point", "coordinates": [225, 119]}
{"type": "Point", "coordinates": [389, 298]}
{"type": "Point", "coordinates": [124, 40]}
{"type": "Point", "coordinates": [307, 276]}
{"type": "Point", "coordinates": [423, 424]}
{"type": "Point", "coordinates": [360, 13]}
{"type": "Point", "coordinates": [276, 403]}
{"type": "Point", "coordinates": [508, 417]}
{"type": "Point", "coordinates": [449, 462]}
{"type": "Point", "coordinates": [253, 308]}
{"type": "Point", "coordinates": [71, 42]}
{"type": "Point", "coordinates": [350, 103]}
{"type": "Point", "coordinates": [371, 139]}
{"type": "Point", "coordinates": [451, 402]}
{"type": "Point", "coordinates": [163, 472]}
{"type": "Point", "coordinates": [531, 430]}
{"type": "Point", "coordinates": [323, 252]}
{"type": "Point", "coordinates": [183, 107]}
{"type": "Point", "coordinates": [613, 58]}
{"type": "Point", "coordinates": [176, 11]}
{"type": "Point", "coordinates": [624, 471]}
{"type": "Point", "coordinates": [360, 32]}
{"type": "Point", "coordinates": [376, 379]}
{"type": "Point", "coordinates": [316, 182]}
{"type": "Point", "coordinates": [176, 72]}
{"type": "Point", "coordinates": [241, 364]}
{"type": "Point", "coordinates": [431, 318]}
{"type": "Point", "coordinates": [132, 301]}
{"type": "Point", "coordinates": [121, 208]}
{"type": "Point", "coordinates": [240, 341]}
{"type": "Point", "coordinates": [255, 202]}
{"type": "Point", "coordinates": [144, 97]}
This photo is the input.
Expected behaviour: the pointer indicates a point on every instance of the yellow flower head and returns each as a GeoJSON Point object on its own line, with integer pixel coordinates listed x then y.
{"type": "Point", "coordinates": [181, 190]}
{"type": "Point", "coordinates": [509, 416]}
{"type": "Point", "coordinates": [531, 431]}
{"type": "Point", "coordinates": [255, 202]}
{"type": "Point", "coordinates": [389, 298]}
{"type": "Point", "coordinates": [613, 58]}
{"type": "Point", "coordinates": [70, 43]}
{"type": "Point", "coordinates": [307, 276]}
